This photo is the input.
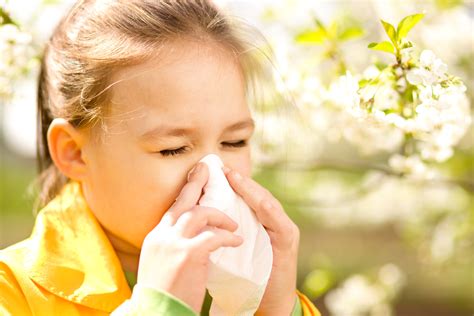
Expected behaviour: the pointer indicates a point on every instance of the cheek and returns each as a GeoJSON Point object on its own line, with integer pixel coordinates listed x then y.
{"type": "Point", "coordinates": [130, 193]}
{"type": "Point", "coordinates": [241, 163]}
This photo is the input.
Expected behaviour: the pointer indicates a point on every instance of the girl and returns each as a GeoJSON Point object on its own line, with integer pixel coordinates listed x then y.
{"type": "Point", "coordinates": [132, 93]}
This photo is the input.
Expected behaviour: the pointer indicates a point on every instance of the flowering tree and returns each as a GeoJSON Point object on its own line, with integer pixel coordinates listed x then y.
{"type": "Point", "coordinates": [420, 109]}
{"type": "Point", "coordinates": [407, 117]}
{"type": "Point", "coordinates": [15, 51]}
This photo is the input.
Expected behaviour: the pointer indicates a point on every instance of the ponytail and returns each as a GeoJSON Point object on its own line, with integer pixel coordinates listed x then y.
{"type": "Point", "coordinates": [50, 179]}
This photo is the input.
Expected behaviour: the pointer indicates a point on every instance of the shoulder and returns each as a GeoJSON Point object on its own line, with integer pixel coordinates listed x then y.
{"type": "Point", "coordinates": [14, 255]}
{"type": "Point", "coordinates": [12, 297]}
{"type": "Point", "coordinates": [8, 280]}
{"type": "Point", "coordinates": [12, 263]}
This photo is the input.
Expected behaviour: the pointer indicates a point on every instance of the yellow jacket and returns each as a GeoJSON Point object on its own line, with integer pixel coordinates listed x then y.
{"type": "Point", "coordinates": [68, 266]}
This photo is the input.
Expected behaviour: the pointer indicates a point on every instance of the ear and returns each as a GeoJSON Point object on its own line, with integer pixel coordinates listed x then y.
{"type": "Point", "coordinates": [65, 144]}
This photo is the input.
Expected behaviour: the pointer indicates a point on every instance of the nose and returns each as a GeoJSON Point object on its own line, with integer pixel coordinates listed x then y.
{"type": "Point", "coordinates": [240, 161]}
{"type": "Point", "coordinates": [202, 156]}
{"type": "Point", "coordinates": [212, 154]}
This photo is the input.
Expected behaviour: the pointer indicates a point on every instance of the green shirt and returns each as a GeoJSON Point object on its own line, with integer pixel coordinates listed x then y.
{"type": "Point", "coordinates": [148, 301]}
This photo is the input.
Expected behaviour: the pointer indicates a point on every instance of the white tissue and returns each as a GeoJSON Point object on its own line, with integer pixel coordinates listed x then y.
{"type": "Point", "coordinates": [238, 276]}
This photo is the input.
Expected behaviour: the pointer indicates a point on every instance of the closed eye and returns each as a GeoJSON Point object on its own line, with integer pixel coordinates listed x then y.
{"type": "Point", "coordinates": [172, 152]}
{"type": "Point", "coordinates": [181, 150]}
{"type": "Point", "coordinates": [240, 143]}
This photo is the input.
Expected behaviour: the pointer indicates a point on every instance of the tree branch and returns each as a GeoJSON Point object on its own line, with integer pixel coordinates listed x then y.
{"type": "Point", "coordinates": [358, 166]}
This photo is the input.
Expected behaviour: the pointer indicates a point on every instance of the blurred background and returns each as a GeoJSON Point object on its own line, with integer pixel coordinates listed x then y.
{"type": "Point", "coordinates": [367, 140]}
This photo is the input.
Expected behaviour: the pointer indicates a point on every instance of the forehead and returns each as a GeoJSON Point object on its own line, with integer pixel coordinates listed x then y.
{"type": "Point", "coordinates": [184, 81]}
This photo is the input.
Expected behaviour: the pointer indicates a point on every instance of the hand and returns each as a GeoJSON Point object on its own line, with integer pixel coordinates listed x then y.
{"type": "Point", "coordinates": [280, 295]}
{"type": "Point", "coordinates": [175, 254]}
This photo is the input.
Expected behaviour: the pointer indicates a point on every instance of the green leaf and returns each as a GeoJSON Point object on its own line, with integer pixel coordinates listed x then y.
{"type": "Point", "coordinates": [5, 17]}
{"type": "Point", "coordinates": [391, 32]}
{"type": "Point", "coordinates": [351, 33]}
{"type": "Point", "coordinates": [407, 24]}
{"type": "Point", "coordinates": [363, 82]}
{"type": "Point", "coordinates": [332, 30]}
{"type": "Point", "coordinates": [383, 46]}
{"type": "Point", "coordinates": [380, 65]}
{"type": "Point", "coordinates": [312, 37]}
{"type": "Point", "coordinates": [406, 44]}
{"type": "Point", "coordinates": [320, 24]}
{"type": "Point", "coordinates": [448, 4]}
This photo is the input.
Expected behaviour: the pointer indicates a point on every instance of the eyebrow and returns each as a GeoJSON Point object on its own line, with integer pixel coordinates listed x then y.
{"type": "Point", "coordinates": [166, 130]}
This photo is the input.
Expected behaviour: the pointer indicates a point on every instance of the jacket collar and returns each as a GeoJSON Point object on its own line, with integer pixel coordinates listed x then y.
{"type": "Point", "coordinates": [71, 256]}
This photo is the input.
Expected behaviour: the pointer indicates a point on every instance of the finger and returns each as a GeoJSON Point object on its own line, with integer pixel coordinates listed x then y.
{"type": "Point", "coordinates": [190, 193]}
{"type": "Point", "coordinates": [192, 222]}
{"type": "Point", "coordinates": [212, 238]}
{"type": "Point", "coordinates": [267, 208]}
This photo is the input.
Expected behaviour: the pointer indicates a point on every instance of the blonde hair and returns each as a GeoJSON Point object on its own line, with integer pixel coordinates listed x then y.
{"type": "Point", "coordinates": [97, 37]}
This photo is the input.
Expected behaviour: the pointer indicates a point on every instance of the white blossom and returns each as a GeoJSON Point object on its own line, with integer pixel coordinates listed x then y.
{"type": "Point", "coordinates": [371, 136]}
{"type": "Point", "coordinates": [430, 70]}
{"type": "Point", "coordinates": [371, 72]}
{"type": "Point", "coordinates": [386, 98]}
{"type": "Point", "coordinates": [356, 296]}
{"type": "Point", "coordinates": [442, 244]}
{"type": "Point", "coordinates": [16, 53]}
{"type": "Point", "coordinates": [343, 93]}
{"type": "Point", "coordinates": [407, 54]}
{"type": "Point", "coordinates": [418, 76]}
{"type": "Point", "coordinates": [410, 165]}
{"type": "Point", "coordinates": [428, 60]}
{"type": "Point", "coordinates": [392, 278]}
{"type": "Point", "coordinates": [360, 296]}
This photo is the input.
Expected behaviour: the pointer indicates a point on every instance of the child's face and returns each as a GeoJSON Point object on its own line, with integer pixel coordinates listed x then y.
{"type": "Point", "coordinates": [131, 182]}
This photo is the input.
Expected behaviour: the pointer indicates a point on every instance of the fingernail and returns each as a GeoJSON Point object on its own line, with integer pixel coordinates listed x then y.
{"type": "Point", "coordinates": [195, 170]}
{"type": "Point", "coordinates": [225, 169]}
{"type": "Point", "coordinates": [198, 167]}
{"type": "Point", "coordinates": [190, 173]}
{"type": "Point", "coordinates": [178, 197]}
{"type": "Point", "coordinates": [237, 176]}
